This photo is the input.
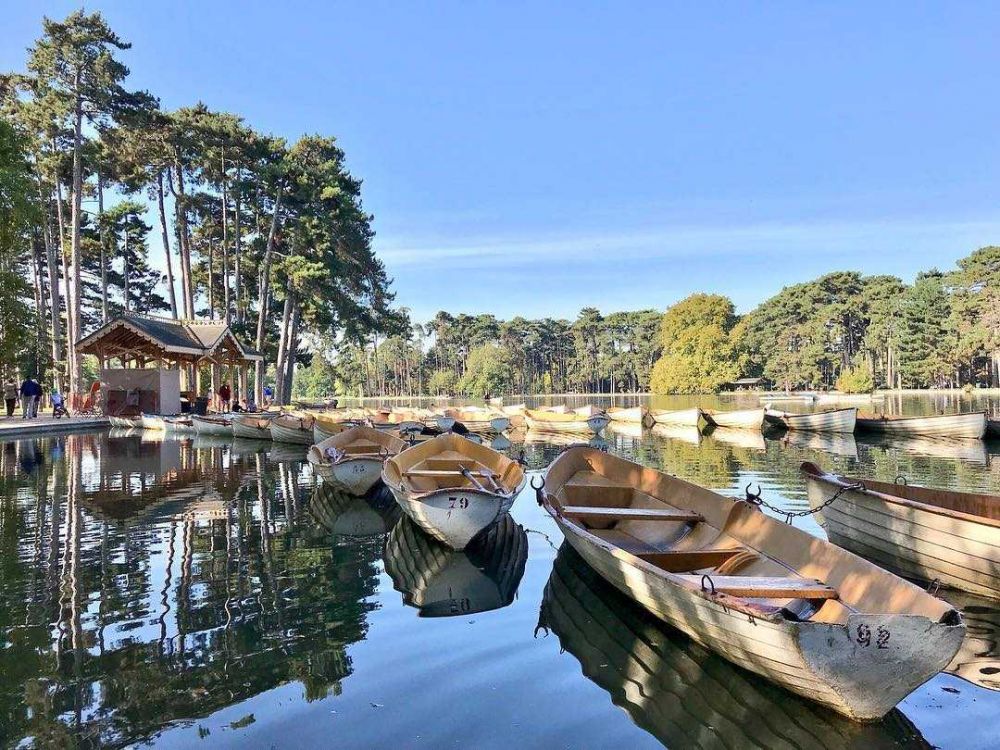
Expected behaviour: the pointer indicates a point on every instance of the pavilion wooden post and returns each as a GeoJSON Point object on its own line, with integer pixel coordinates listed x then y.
{"type": "Point", "coordinates": [244, 393]}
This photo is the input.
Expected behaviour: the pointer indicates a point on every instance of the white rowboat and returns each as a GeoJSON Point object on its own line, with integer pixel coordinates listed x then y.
{"type": "Point", "coordinates": [743, 419]}
{"type": "Point", "coordinates": [970, 425]}
{"type": "Point", "coordinates": [681, 418]}
{"type": "Point", "coordinates": [289, 428]}
{"type": "Point", "coordinates": [252, 427]}
{"type": "Point", "coordinates": [834, 420]}
{"type": "Point", "coordinates": [772, 598]}
{"type": "Point", "coordinates": [205, 425]}
{"type": "Point", "coordinates": [453, 488]}
{"type": "Point", "coordinates": [934, 535]}
{"type": "Point", "coordinates": [352, 460]}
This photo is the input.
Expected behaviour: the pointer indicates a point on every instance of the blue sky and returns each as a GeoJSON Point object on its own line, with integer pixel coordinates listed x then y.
{"type": "Point", "coordinates": [533, 160]}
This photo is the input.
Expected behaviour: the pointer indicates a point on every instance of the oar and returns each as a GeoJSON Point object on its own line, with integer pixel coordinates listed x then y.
{"type": "Point", "coordinates": [468, 475]}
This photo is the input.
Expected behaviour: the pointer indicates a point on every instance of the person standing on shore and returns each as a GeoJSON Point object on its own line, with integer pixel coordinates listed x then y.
{"type": "Point", "coordinates": [31, 391]}
{"type": "Point", "coordinates": [10, 396]}
{"type": "Point", "coordinates": [225, 394]}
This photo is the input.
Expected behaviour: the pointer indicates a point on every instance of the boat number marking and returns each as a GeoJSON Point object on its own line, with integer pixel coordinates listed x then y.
{"type": "Point", "coordinates": [864, 636]}
{"type": "Point", "coordinates": [358, 469]}
{"type": "Point", "coordinates": [458, 502]}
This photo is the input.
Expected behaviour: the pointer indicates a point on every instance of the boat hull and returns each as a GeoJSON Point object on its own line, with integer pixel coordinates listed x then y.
{"type": "Point", "coordinates": [745, 419]}
{"type": "Point", "coordinates": [579, 425]}
{"type": "Point", "coordinates": [353, 476]}
{"type": "Point", "coordinates": [917, 543]}
{"type": "Point", "coordinates": [681, 418]}
{"type": "Point", "coordinates": [294, 435]}
{"type": "Point", "coordinates": [818, 661]}
{"type": "Point", "coordinates": [454, 516]}
{"type": "Point", "coordinates": [837, 420]}
{"type": "Point", "coordinates": [211, 427]}
{"type": "Point", "coordinates": [971, 425]}
{"type": "Point", "coordinates": [152, 422]}
{"type": "Point", "coordinates": [636, 415]}
{"type": "Point", "coordinates": [251, 432]}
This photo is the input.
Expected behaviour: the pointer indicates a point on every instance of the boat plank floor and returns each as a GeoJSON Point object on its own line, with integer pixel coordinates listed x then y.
{"type": "Point", "coordinates": [760, 587]}
{"type": "Point", "coordinates": [630, 514]}
{"type": "Point", "coordinates": [626, 541]}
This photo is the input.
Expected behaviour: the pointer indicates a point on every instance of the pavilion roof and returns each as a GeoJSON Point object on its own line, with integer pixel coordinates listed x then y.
{"type": "Point", "coordinates": [155, 337]}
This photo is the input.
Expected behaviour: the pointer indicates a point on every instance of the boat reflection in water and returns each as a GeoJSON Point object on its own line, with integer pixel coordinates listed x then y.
{"type": "Point", "coordinates": [830, 443]}
{"type": "Point", "coordinates": [978, 660]}
{"type": "Point", "coordinates": [749, 439]}
{"type": "Point", "coordinates": [441, 582]}
{"type": "Point", "coordinates": [969, 451]}
{"type": "Point", "coordinates": [681, 693]}
{"type": "Point", "coordinates": [680, 433]}
{"type": "Point", "coordinates": [348, 515]}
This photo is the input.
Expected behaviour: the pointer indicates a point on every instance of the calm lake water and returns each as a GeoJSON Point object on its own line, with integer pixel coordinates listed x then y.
{"type": "Point", "coordinates": [197, 593]}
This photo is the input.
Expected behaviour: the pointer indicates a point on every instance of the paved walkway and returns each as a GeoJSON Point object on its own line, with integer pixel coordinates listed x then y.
{"type": "Point", "coordinates": [13, 427]}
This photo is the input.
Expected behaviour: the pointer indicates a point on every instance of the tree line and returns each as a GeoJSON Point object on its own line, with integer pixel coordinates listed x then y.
{"type": "Point", "coordinates": [267, 235]}
{"type": "Point", "coordinates": [842, 330]}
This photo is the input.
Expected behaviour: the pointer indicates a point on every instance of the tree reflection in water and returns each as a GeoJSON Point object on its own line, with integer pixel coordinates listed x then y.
{"type": "Point", "coordinates": [150, 580]}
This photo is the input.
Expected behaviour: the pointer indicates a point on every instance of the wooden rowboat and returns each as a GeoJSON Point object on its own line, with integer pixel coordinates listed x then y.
{"type": "Point", "coordinates": [572, 421]}
{"type": "Point", "coordinates": [125, 423]}
{"type": "Point", "coordinates": [325, 427]}
{"type": "Point", "coordinates": [352, 460]}
{"type": "Point", "coordinates": [772, 598]}
{"type": "Point", "coordinates": [833, 420]}
{"type": "Point", "coordinates": [970, 425]}
{"type": "Point", "coordinates": [933, 535]}
{"type": "Point", "coordinates": [482, 421]}
{"type": "Point", "coordinates": [681, 693]}
{"type": "Point", "coordinates": [453, 488]}
{"type": "Point", "coordinates": [515, 413]}
{"type": "Point", "coordinates": [290, 428]}
{"type": "Point", "coordinates": [441, 582]}
{"type": "Point", "coordinates": [179, 423]}
{"type": "Point", "coordinates": [743, 419]}
{"type": "Point", "coordinates": [636, 415]}
{"type": "Point", "coordinates": [152, 422]}
{"type": "Point", "coordinates": [252, 427]}
{"type": "Point", "coordinates": [681, 418]}
{"type": "Point", "coordinates": [212, 425]}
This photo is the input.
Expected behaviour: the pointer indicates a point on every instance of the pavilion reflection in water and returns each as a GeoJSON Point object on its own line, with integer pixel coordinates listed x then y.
{"type": "Point", "coordinates": [680, 693]}
{"type": "Point", "coordinates": [160, 582]}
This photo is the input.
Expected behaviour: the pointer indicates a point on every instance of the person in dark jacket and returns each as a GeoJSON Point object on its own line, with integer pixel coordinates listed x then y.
{"type": "Point", "coordinates": [31, 391]}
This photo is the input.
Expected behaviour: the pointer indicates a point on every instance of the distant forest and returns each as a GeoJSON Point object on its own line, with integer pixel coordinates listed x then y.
{"type": "Point", "coordinates": [842, 330]}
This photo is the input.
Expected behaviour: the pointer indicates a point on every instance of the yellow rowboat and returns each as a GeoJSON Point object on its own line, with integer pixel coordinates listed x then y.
{"type": "Point", "coordinates": [352, 460]}
{"type": "Point", "coordinates": [441, 582]}
{"type": "Point", "coordinates": [325, 427]}
{"type": "Point", "coordinates": [793, 608]}
{"type": "Point", "coordinates": [934, 535]}
{"type": "Point", "coordinates": [681, 418]}
{"type": "Point", "coordinates": [743, 419]}
{"type": "Point", "coordinates": [681, 693]}
{"type": "Point", "coordinates": [635, 415]}
{"type": "Point", "coordinates": [971, 425]}
{"type": "Point", "coordinates": [252, 427]}
{"type": "Point", "coordinates": [515, 413]}
{"type": "Point", "coordinates": [584, 420]}
{"type": "Point", "coordinates": [833, 420]}
{"type": "Point", "coordinates": [291, 428]}
{"type": "Point", "coordinates": [452, 487]}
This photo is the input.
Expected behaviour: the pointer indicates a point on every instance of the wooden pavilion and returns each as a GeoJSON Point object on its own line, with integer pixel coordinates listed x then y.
{"type": "Point", "coordinates": [160, 360]}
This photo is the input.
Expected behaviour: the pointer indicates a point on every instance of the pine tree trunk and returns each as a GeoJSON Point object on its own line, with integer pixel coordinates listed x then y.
{"type": "Point", "coordinates": [293, 347]}
{"type": "Point", "coordinates": [211, 279]}
{"type": "Point", "coordinates": [76, 215]}
{"type": "Point", "coordinates": [55, 322]}
{"type": "Point", "coordinates": [166, 244]}
{"type": "Point", "coordinates": [237, 258]}
{"type": "Point", "coordinates": [125, 270]}
{"type": "Point", "coordinates": [263, 297]}
{"type": "Point", "coordinates": [104, 245]}
{"type": "Point", "coordinates": [283, 336]}
{"type": "Point", "coordinates": [225, 238]}
{"type": "Point", "coordinates": [180, 208]}
{"type": "Point", "coordinates": [67, 292]}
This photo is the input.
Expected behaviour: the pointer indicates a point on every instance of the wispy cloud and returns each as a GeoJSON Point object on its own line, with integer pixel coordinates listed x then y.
{"type": "Point", "coordinates": [469, 249]}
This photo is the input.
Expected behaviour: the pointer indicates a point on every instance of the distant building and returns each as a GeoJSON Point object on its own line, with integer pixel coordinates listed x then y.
{"type": "Point", "coordinates": [748, 384]}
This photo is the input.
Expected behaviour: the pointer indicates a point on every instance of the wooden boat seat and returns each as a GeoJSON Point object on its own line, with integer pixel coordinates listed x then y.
{"type": "Point", "coordinates": [444, 473]}
{"type": "Point", "coordinates": [630, 514]}
{"type": "Point", "coordinates": [761, 587]}
{"type": "Point", "coordinates": [362, 448]}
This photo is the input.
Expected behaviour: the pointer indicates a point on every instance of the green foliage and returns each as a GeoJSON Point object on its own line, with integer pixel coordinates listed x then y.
{"type": "Point", "coordinates": [489, 372]}
{"type": "Point", "coordinates": [856, 379]}
{"type": "Point", "coordinates": [925, 340]}
{"type": "Point", "coordinates": [442, 383]}
{"type": "Point", "coordinates": [698, 355]}
{"type": "Point", "coordinates": [315, 381]}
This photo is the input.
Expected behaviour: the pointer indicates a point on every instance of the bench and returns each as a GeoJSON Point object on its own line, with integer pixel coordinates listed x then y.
{"type": "Point", "coordinates": [589, 513]}
{"type": "Point", "coordinates": [764, 587]}
{"type": "Point", "coordinates": [682, 561]}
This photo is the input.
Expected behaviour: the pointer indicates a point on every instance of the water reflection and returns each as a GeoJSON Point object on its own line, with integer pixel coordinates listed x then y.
{"type": "Point", "coordinates": [978, 660]}
{"type": "Point", "coordinates": [441, 582]}
{"type": "Point", "coordinates": [680, 693]}
{"type": "Point", "coordinates": [154, 581]}
{"type": "Point", "coordinates": [349, 515]}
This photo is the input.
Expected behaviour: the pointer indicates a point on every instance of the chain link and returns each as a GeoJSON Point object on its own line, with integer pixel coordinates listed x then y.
{"type": "Point", "coordinates": [756, 499]}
